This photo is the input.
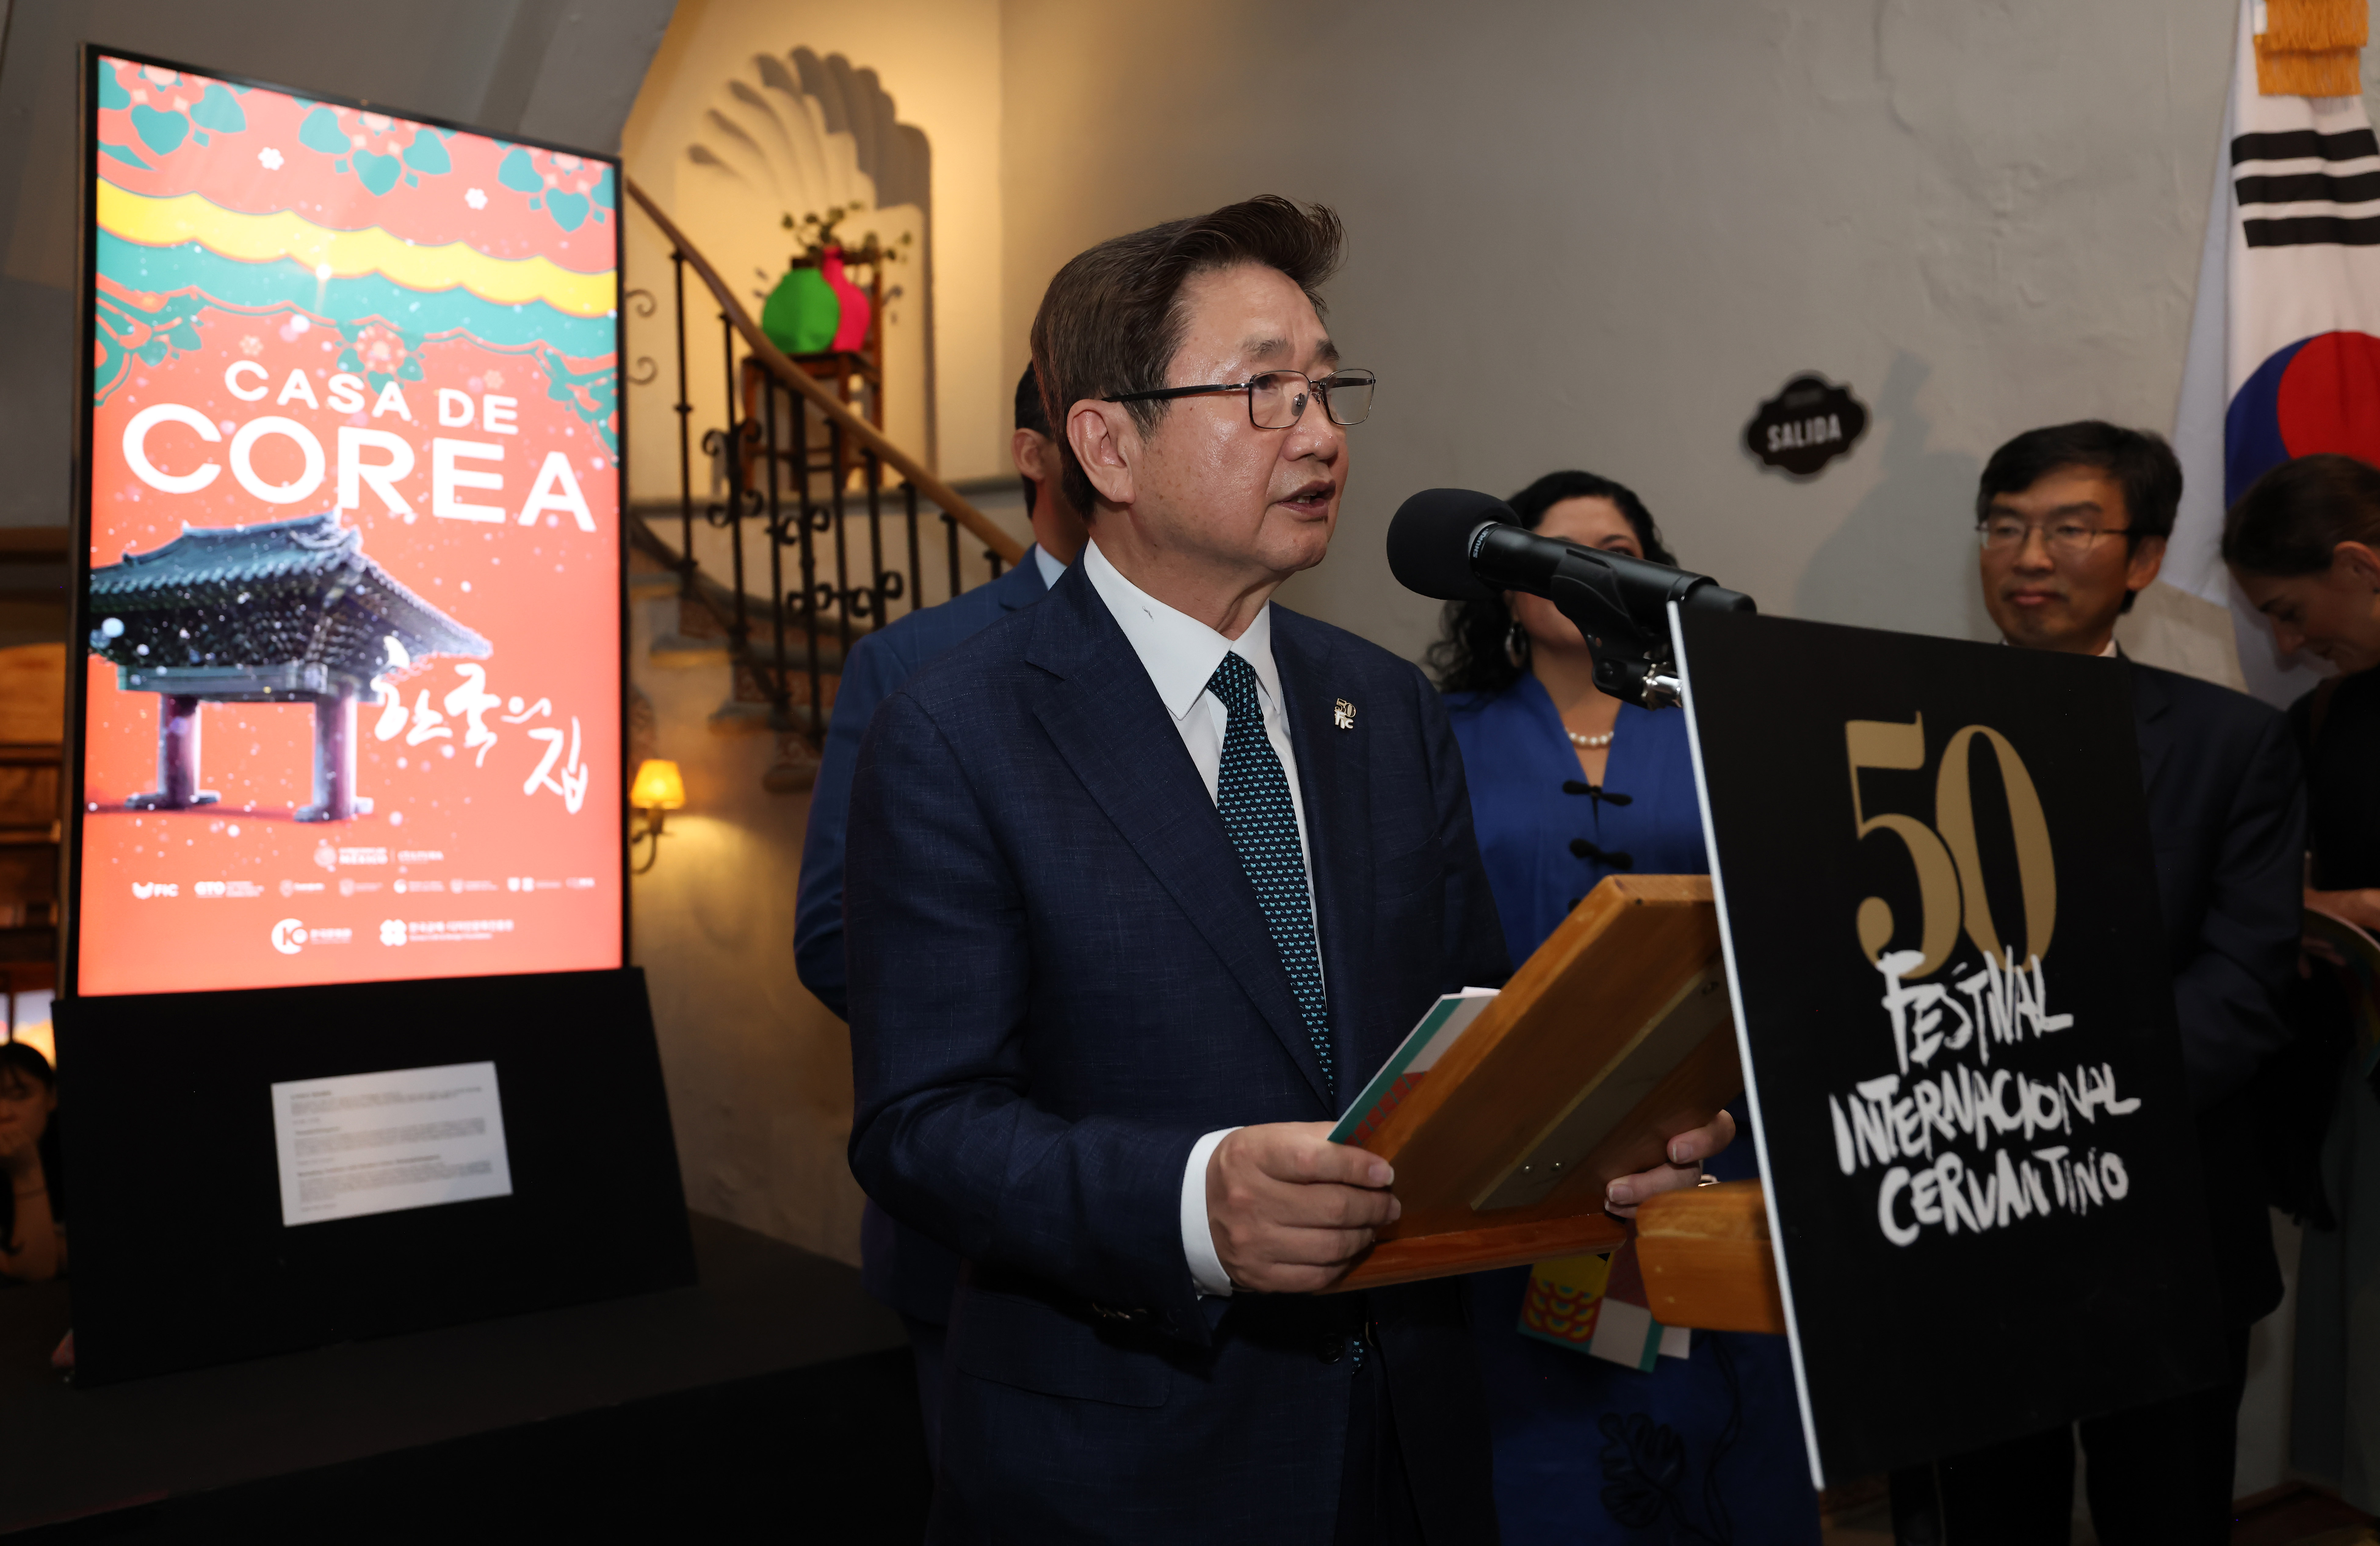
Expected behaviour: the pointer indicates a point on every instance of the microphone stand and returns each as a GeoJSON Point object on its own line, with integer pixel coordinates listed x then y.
{"type": "Point", "coordinates": [1632, 662]}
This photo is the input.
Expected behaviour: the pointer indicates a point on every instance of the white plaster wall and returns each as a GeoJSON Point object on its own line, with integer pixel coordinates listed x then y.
{"type": "Point", "coordinates": [1599, 235]}
{"type": "Point", "coordinates": [939, 61]}
{"type": "Point", "coordinates": [759, 1071]}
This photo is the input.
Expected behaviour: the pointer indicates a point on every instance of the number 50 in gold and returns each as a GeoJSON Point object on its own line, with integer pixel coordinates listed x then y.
{"type": "Point", "coordinates": [1946, 857]}
{"type": "Point", "coordinates": [1881, 744]}
{"type": "Point", "coordinates": [2037, 871]}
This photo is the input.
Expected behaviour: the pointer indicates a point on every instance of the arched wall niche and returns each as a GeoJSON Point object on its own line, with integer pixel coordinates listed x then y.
{"type": "Point", "coordinates": [793, 134]}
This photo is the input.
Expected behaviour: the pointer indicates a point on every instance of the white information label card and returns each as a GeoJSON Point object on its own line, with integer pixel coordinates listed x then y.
{"type": "Point", "coordinates": [379, 1142]}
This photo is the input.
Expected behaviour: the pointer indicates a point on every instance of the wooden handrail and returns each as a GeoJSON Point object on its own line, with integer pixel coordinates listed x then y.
{"type": "Point", "coordinates": [34, 545]}
{"type": "Point", "coordinates": [768, 353]}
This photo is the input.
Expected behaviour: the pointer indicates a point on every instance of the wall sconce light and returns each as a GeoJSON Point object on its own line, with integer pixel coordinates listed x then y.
{"type": "Point", "coordinates": [659, 788]}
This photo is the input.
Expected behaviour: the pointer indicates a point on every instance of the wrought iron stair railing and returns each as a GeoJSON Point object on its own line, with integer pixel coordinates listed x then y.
{"type": "Point", "coordinates": [780, 474]}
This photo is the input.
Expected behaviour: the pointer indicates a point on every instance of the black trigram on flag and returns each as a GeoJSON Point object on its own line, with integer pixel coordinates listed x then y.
{"type": "Point", "coordinates": [2328, 183]}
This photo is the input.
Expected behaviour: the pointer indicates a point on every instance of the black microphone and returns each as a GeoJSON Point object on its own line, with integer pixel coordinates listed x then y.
{"type": "Point", "coordinates": [1460, 545]}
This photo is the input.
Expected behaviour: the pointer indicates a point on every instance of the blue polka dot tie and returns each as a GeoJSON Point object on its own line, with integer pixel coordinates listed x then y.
{"type": "Point", "coordinates": [1253, 794]}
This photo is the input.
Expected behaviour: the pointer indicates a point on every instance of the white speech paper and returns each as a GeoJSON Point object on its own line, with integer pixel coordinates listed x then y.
{"type": "Point", "coordinates": [380, 1143]}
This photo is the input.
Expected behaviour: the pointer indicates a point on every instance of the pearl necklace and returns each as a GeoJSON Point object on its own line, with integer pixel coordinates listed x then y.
{"type": "Point", "coordinates": [1590, 743]}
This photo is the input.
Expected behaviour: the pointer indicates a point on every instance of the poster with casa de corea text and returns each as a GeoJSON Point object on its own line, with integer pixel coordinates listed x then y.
{"type": "Point", "coordinates": [352, 654]}
{"type": "Point", "coordinates": [1938, 894]}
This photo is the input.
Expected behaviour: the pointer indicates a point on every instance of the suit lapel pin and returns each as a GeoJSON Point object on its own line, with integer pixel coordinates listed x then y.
{"type": "Point", "coordinates": [1342, 714]}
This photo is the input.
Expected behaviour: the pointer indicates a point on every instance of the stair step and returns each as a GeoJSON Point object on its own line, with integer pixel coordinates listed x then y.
{"type": "Point", "coordinates": [741, 719]}
{"type": "Point", "coordinates": [647, 583]}
{"type": "Point", "coordinates": [798, 655]}
{"type": "Point", "coordinates": [680, 650]}
{"type": "Point", "coordinates": [795, 769]}
{"type": "Point", "coordinates": [675, 650]}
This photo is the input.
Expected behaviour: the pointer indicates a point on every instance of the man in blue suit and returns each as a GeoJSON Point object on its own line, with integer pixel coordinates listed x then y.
{"type": "Point", "coordinates": [1145, 880]}
{"type": "Point", "coordinates": [903, 1268]}
{"type": "Point", "coordinates": [881, 661]}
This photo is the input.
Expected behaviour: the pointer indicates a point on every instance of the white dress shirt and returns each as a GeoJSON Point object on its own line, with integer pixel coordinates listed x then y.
{"type": "Point", "coordinates": [2110, 652]}
{"type": "Point", "coordinates": [1180, 653]}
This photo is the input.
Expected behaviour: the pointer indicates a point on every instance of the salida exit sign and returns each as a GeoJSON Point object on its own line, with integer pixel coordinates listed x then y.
{"type": "Point", "coordinates": [1809, 423]}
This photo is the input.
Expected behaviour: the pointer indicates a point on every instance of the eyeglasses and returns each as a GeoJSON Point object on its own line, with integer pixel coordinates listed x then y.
{"type": "Point", "coordinates": [1276, 399]}
{"type": "Point", "coordinates": [2069, 537]}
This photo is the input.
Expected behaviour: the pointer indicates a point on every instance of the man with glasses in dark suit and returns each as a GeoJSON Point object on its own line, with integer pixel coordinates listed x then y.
{"type": "Point", "coordinates": [2072, 522]}
{"type": "Point", "coordinates": [1144, 882]}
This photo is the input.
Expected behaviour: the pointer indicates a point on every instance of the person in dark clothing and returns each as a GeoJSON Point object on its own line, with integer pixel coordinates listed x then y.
{"type": "Point", "coordinates": [32, 1233]}
{"type": "Point", "coordinates": [1142, 880]}
{"type": "Point", "coordinates": [2304, 545]}
{"type": "Point", "coordinates": [2073, 522]}
{"type": "Point", "coordinates": [1569, 786]}
{"type": "Point", "coordinates": [881, 661]}
{"type": "Point", "coordinates": [901, 1267]}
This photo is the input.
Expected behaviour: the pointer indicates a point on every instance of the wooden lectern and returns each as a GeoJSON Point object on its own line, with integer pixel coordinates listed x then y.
{"type": "Point", "coordinates": [1707, 1260]}
{"type": "Point", "coordinates": [1615, 1035]}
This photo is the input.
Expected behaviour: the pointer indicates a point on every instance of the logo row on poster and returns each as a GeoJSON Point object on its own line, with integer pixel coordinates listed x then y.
{"type": "Point", "coordinates": [145, 890]}
{"type": "Point", "coordinates": [291, 936]}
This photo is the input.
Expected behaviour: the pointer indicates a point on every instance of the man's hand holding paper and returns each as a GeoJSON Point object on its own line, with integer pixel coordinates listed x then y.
{"type": "Point", "coordinates": [1290, 1209]}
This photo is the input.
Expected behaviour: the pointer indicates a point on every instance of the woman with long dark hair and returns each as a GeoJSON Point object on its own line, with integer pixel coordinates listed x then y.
{"type": "Point", "coordinates": [32, 1243]}
{"type": "Point", "coordinates": [2304, 545]}
{"type": "Point", "coordinates": [1569, 786]}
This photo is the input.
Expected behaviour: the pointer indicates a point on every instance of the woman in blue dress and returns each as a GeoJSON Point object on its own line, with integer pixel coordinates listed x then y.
{"type": "Point", "coordinates": [1569, 786]}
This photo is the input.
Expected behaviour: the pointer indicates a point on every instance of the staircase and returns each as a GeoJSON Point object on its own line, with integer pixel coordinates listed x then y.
{"type": "Point", "coordinates": [811, 529]}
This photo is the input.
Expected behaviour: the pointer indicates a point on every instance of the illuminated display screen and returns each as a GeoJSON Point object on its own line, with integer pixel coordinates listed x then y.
{"type": "Point", "coordinates": [352, 613]}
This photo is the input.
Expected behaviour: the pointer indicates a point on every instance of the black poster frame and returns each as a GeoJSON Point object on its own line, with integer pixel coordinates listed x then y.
{"type": "Point", "coordinates": [180, 1254]}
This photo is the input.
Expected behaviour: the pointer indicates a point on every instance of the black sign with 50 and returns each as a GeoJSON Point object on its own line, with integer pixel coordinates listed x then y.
{"type": "Point", "coordinates": [1941, 906]}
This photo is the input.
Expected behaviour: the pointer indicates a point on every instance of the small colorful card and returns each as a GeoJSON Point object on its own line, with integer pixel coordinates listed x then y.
{"type": "Point", "coordinates": [1440, 1028]}
{"type": "Point", "coordinates": [1597, 1304]}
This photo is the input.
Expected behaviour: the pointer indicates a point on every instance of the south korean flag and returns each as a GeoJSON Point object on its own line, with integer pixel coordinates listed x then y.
{"type": "Point", "coordinates": [2284, 356]}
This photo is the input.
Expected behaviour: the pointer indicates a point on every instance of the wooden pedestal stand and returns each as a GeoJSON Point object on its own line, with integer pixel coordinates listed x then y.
{"type": "Point", "coordinates": [1614, 1035]}
{"type": "Point", "coordinates": [1707, 1260]}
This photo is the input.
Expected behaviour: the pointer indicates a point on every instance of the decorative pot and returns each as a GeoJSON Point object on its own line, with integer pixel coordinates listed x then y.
{"type": "Point", "coordinates": [802, 313]}
{"type": "Point", "coordinates": [852, 335]}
